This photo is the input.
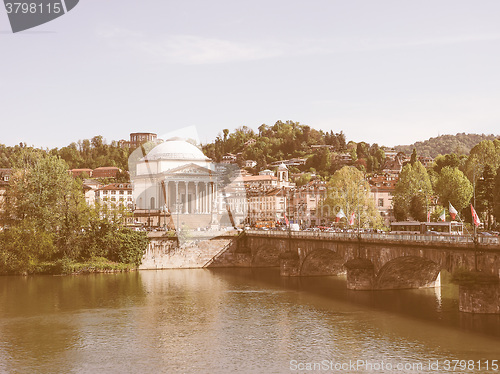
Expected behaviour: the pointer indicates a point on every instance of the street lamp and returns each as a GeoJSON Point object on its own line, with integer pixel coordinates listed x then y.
{"type": "Point", "coordinates": [426, 205]}
{"type": "Point", "coordinates": [357, 194]}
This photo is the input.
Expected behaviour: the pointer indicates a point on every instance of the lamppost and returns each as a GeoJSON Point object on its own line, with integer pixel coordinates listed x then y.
{"type": "Point", "coordinates": [360, 183]}
{"type": "Point", "coordinates": [426, 205]}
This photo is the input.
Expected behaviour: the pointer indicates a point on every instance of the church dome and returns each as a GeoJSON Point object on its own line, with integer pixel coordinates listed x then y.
{"type": "Point", "coordinates": [176, 149]}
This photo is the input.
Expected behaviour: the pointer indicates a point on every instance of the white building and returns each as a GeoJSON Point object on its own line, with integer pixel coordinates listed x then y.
{"type": "Point", "coordinates": [176, 185]}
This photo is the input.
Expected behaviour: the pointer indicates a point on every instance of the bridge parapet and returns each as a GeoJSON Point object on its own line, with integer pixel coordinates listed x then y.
{"type": "Point", "coordinates": [465, 241]}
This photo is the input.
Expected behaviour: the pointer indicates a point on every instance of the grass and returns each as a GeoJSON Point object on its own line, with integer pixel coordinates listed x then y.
{"type": "Point", "coordinates": [94, 265]}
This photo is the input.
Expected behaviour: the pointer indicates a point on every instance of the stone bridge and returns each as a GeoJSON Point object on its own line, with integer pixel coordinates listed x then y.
{"type": "Point", "coordinates": [381, 261]}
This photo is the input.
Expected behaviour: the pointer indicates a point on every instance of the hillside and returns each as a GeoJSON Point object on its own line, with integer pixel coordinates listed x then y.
{"type": "Point", "coordinates": [460, 143]}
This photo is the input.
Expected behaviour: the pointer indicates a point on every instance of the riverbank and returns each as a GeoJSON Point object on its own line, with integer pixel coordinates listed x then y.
{"type": "Point", "coordinates": [67, 267]}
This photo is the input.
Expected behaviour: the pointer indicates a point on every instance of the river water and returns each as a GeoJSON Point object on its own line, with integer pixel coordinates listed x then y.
{"type": "Point", "coordinates": [235, 320]}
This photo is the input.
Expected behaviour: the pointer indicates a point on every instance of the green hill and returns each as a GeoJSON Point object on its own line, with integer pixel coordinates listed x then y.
{"type": "Point", "coordinates": [460, 143]}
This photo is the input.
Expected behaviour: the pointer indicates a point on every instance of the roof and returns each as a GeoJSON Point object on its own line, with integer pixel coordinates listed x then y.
{"type": "Point", "coordinates": [176, 150]}
{"type": "Point", "coordinates": [103, 168]}
{"type": "Point", "coordinates": [259, 178]}
{"type": "Point", "coordinates": [382, 183]}
{"type": "Point", "coordinates": [116, 186]}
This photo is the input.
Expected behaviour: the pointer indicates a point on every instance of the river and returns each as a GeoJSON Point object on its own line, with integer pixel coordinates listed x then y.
{"type": "Point", "coordinates": [235, 320]}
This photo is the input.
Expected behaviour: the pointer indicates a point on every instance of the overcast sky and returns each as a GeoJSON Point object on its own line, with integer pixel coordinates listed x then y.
{"type": "Point", "coordinates": [390, 72]}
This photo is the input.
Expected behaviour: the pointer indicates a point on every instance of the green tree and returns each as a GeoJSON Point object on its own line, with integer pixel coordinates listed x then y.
{"type": "Point", "coordinates": [485, 153]}
{"type": "Point", "coordinates": [413, 181]}
{"type": "Point", "coordinates": [349, 191]}
{"type": "Point", "coordinates": [496, 197]}
{"type": "Point", "coordinates": [414, 157]}
{"type": "Point", "coordinates": [44, 209]}
{"type": "Point", "coordinates": [485, 194]}
{"type": "Point", "coordinates": [453, 187]}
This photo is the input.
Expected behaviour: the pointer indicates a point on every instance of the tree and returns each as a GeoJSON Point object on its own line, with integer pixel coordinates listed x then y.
{"type": "Point", "coordinates": [485, 194]}
{"type": "Point", "coordinates": [453, 187]}
{"type": "Point", "coordinates": [413, 181]}
{"type": "Point", "coordinates": [47, 219]}
{"type": "Point", "coordinates": [413, 157]}
{"type": "Point", "coordinates": [485, 153]}
{"type": "Point", "coordinates": [349, 191]}
{"type": "Point", "coordinates": [496, 197]}
{"type": "Point", "coordinates": [45, 210]}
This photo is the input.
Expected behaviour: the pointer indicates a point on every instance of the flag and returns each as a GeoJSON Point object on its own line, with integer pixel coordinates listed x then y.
{"type": "Point", "coordinates": [351, 221]}
{"type": "Point", "coordinates": [442, 217]}
{"type": "Point", "coordinates": [453, 211]}
{"type": "Point", "coordinates": [475, 218]}
{"type": "Point", "coordinates": [429, 216]}
{"type": "Point", "coordinates": [340, 215]}
{"type": "Point", "coordinates": [286, 221]}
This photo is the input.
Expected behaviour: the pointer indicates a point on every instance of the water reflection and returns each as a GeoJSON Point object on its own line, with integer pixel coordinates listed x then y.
{"type": "Point", "coordinates": [224, 321]}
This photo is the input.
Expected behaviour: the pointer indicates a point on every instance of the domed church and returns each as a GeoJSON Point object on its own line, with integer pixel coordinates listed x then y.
{"type": "Point", "coordinates": [176, 186]}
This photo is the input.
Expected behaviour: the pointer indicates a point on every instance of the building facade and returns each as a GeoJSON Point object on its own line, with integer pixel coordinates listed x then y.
{"type": "Point", "coordinates": [175, 186]}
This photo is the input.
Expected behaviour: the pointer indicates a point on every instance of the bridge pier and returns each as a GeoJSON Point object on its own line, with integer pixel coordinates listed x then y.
{"type": "Point", "coordinates": [478, 293]}
{"type": "Point", "coordinates": [290, 267]}
{"type": "Point", "coordinates": [360, 274]}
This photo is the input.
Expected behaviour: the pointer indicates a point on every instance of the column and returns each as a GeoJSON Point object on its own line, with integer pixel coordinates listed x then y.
{"type": "Point", "coordinates": [196, 208]}
{"type": "Point", "coordinates": [176, 196]}
{"type": "Point", "coordinates": [217, 207]}
{"type": "Point", "coordinates": [207, 209]}
{"type": "Point", "coordinates": [186, 205]}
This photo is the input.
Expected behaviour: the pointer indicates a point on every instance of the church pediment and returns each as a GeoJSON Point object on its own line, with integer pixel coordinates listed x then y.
{"type": "Point", "coordinates": [192, 169]}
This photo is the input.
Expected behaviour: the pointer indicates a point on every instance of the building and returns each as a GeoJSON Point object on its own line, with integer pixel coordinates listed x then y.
{"type": "Point", "coordinates": [106, 172]}
{"type": "Point", "coordinates": [250, 142]}
{"type": "Point", "coordinates": [176, 186]}
{"type": "Point", "coordinates": [90, 188]}
{"type": "Point", "coordinates": [250, 163]}
{"type": "Point", "coordinates": [266, 208]}
{"type": "Point", "coordinates": [393, 167]}
{"type": "Point", "coordinates": [79, 172]}
{"type": "Point", "coordinates": [306, 202]}
{"type": "Point", "coordinates": [382, 189]}
{"type": "Point", "coordinates": [138, 138]}
{"type": "Point", "coordinates": [115, 195]}
{"type": "Point", "coordinates": [5, 175]}
{"type": "Point", "coordinates": [291, 162]}
{"type": "Point", "coordinates": [267, 196]}
{"type": "Point", "coordinates": [229, 158]}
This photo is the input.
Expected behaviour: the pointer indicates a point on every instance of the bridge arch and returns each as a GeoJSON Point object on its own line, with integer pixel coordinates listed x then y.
{"type": "Point", "coordinates": [322, 261]}
{"type": "Point", "coordinates": [407, 272]}
{"type": "Point", "coordinates": [266, 256]}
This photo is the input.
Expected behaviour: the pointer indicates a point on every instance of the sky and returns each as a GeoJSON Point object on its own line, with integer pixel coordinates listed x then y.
{"type": "Point", "coordinates": [382, 71]}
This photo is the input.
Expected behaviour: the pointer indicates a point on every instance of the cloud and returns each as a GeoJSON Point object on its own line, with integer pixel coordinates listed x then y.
{"type": "Point", "coordinates": [200, 50]}
{"type": "Point", "coordinates": [190, 49]}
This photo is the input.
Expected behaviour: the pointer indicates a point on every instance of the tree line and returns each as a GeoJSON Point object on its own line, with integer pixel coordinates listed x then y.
{"type": "Point", "coordinates": [45, 220]}
{"type": "Point", "coordinates": [459, 180]}
{"type": "Point", "coordinates": [83, 154]}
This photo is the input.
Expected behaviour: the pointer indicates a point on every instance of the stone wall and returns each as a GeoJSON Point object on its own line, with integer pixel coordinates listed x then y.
{"type": "Point", "coordinates": [165, 253]}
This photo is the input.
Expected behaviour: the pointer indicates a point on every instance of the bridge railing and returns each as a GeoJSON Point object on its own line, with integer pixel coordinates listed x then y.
{"type": "Point", "coordinates": [451, 239]}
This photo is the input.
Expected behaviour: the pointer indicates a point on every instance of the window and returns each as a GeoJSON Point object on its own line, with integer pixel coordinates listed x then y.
{"type": "Point", "coordinates": [381, 202]}
{"type": "Point", "coordinates": [113, 192]}
{"type": "Point", "coordinates": [122, 192]}
{"type": "Point", "coordinates": [6, 178]}
{"type": "Point", "coordinates": [104, 192]}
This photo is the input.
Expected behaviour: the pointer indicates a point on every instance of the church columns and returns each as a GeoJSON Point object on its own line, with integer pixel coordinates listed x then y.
{"type": "Point", "coordinates": [206, 198]}
{"type": "Point", "coordinates": [196, 197]}
{"type": "Point", "coordinates": [215, 198]}
{"type": "Point", "coordinates": [176, 197]}
{"type": "Point", "coordinates": [186, 200]}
